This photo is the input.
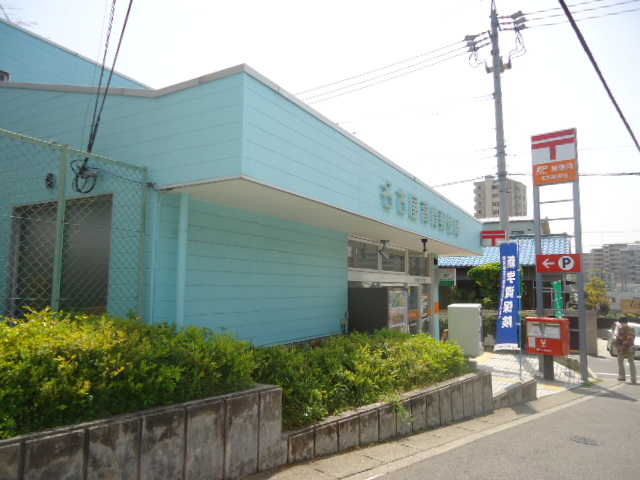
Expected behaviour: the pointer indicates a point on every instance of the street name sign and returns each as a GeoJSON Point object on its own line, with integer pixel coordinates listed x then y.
{"type": "Point", "coordinates": [562, 263]}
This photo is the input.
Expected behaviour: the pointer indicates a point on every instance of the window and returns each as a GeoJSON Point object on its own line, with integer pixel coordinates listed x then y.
{"type": "Point", "coordinates": [4, 76]}
{"type": "Point", "coordinates": [86, 255]}
{"type": "Point", "coordinates": [418, 265]}
{"type": "Point", "coordinates": [395, 262]}
{"type": "Point", "coordinates": [363, 255]}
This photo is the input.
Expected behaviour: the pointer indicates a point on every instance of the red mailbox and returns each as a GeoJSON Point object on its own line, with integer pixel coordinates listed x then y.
{"type": "Point", "coordinates": [548, 336]}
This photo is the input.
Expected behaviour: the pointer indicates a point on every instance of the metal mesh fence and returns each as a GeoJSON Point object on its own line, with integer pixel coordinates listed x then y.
{"type": "Point", "coordinates": [71, 229]}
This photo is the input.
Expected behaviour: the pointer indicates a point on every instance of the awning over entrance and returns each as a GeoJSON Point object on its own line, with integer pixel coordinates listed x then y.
{"type": "Point", "coordinates": [247, 194]}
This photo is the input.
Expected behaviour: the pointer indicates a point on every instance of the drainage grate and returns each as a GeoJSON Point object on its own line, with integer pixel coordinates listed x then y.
{"type": "Point", "coordinates": [587, 441]}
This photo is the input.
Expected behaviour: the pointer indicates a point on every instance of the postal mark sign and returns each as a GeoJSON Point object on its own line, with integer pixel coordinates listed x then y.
{"type": "Point", "coordinates": [554, 157]}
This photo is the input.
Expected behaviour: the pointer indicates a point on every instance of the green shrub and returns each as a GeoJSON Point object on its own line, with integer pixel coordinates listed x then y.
{"type": "Point", "coordinates": [58, 369]}
{"type": "Point", "coordinates": [350, 371]}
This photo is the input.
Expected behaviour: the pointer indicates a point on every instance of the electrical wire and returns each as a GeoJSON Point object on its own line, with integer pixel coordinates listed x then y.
{"type": "Point", "coordinates": [453, 106]}
{"type": "Point", "coordinates": [531, 17]}
{"type": "Point", "coordinates": [102, 70]}
{"type": "Point", "coordinates": [85, 177]}
{"type": "Point", "coordinates": [4, 12]}
{"type": "Point", "coordinates": [98, 113]}
{"type": "Point", "coordinates": [609, 174]}
{"type": "Point", "coordinates": [597, 69]}
{"type": "Point", "coordinates": [384, 77]}
{"type": "Point", "coordinates": [561, 14]}
{"type": "Point", "coordinates": [375, 70]}
{"type": "Point", "coordinates": [384, 80]}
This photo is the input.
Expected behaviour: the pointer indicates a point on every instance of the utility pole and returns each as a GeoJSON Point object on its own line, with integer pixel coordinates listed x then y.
{"type": "Point", "coordinates": [497, 68]}
{"type": "Point", "coordinates": [513, 22]}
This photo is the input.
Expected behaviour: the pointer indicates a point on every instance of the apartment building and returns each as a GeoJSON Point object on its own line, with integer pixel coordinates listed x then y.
{"type": "Point", "coordinates": [487, 198]}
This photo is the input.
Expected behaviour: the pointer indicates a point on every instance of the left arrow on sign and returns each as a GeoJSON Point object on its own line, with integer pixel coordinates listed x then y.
{"type": "Point", "coordinates": [548, 263]}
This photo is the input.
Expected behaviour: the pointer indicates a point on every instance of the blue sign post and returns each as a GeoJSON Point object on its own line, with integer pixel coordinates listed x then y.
{"type": "Point", "coordinates": [510, 297]}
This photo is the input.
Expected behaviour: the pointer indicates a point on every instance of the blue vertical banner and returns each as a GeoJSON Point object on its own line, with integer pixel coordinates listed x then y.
{"type": "Point", "coordinates": [510, 296]}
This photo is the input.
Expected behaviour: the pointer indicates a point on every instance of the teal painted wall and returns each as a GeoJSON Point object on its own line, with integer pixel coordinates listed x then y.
{"type": "Point", "coordinates": [184, 136]}
{"type": "Point", "coordinates": [285, 145]}
{"type": "Point", "coordinates": [239, 125]}
{"type": "Point", "coordinates": [267, 279]}
{"type": "Point", "coordinates": [270, 280]}
{"type": "Point", "coordinates": [30, 58]}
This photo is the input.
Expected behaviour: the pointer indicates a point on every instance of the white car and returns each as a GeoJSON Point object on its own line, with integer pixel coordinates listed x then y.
{"type": "Point", "coordinates": [611, 341]}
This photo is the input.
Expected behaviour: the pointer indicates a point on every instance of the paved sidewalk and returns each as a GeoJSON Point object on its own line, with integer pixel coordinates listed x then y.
{"type": "Point", "coordinates": [506, 370]}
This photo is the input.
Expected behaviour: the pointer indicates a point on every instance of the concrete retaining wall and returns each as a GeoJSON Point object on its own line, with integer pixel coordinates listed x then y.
{"type": "Point", "coordinates": [515, 394]}
{"type": "Point", "coordinates": [419, 410]}
{"type": "Point", "coordinates": [230, 436]}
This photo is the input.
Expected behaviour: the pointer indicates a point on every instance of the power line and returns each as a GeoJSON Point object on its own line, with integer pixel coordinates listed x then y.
{"type": "Point", "coordinates": [97, 114]}
{"type": "Point", "coordinates": [609, 174]}
{"type": "Point", "coordinates": [453, 106]}
{"type": "Point", "coordinates": [85, 178]}
{"type": "Point", "coordinates": [597, 69]}
{"type": "Point", "coordinates": [355, 86]}
{"type": "Point", "coordinates": [4, 12]}
{"type": "Point", "coordinates": [375, 70]}
{"type": "Point", "coordinates": [561, 14]}
{"type": "Point", "coordinates": [531, 16]}
{"type": "Point", "coordinates": [384, 77]}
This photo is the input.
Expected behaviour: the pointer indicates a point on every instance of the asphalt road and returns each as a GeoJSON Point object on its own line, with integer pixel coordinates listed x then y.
{"type": "Point", "coordinates": [597, 437]}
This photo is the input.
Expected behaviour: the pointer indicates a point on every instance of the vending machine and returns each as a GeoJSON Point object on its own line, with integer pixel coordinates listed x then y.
{"type": "Point", "coordinates": [377, 308]}
{"type": "Point", "coordinates": [414, 309]}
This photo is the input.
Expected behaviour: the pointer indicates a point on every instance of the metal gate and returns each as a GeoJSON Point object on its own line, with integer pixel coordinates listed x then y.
{"type": "Point", "coordinates": [71, 229]}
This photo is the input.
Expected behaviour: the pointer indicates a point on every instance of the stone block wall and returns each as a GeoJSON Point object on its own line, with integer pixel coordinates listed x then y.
{"type": "Point", "coordinates": [228, 437]}
{"type": "Point", "coordinates": [416, 411]}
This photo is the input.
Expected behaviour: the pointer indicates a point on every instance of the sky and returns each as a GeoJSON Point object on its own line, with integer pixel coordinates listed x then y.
{"type": "Point", "coordinates": [398, 76]}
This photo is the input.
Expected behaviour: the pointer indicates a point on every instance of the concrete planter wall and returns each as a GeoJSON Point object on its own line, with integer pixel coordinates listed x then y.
{"type": "Point", "coordinates": [227, 437]}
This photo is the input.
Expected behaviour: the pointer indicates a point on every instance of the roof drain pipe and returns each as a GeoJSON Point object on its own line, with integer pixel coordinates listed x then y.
{"type": "Point", "coordinates": [181, 260]}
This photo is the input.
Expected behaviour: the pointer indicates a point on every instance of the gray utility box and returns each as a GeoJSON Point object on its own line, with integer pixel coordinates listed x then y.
{"type": "Point", "coordinates": [465, 326]}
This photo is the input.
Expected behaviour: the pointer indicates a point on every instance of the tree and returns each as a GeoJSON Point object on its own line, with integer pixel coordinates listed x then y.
{"type": "Point", "coordinates": [488, 277]}
{"type": "Point", "coordinates": [597, 298]}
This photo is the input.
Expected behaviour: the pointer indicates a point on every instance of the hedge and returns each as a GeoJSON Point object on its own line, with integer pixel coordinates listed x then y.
{"type": "Point", "coordinates": [351, 371]}
{"type": "Point", "coordinates": [60, 369]}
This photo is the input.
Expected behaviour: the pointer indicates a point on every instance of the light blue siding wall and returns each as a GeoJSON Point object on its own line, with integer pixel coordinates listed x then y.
{"type": "Point", "coordinates": [185, 136]}
{"type": "Point", "coordinates": [29, 58]}
{"type": "Point", "coordinates": [267, 279]}
{"type": "Point", "coordinates": [291, 148]}
{"type": "Point", "coordinates": [232, 126]}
